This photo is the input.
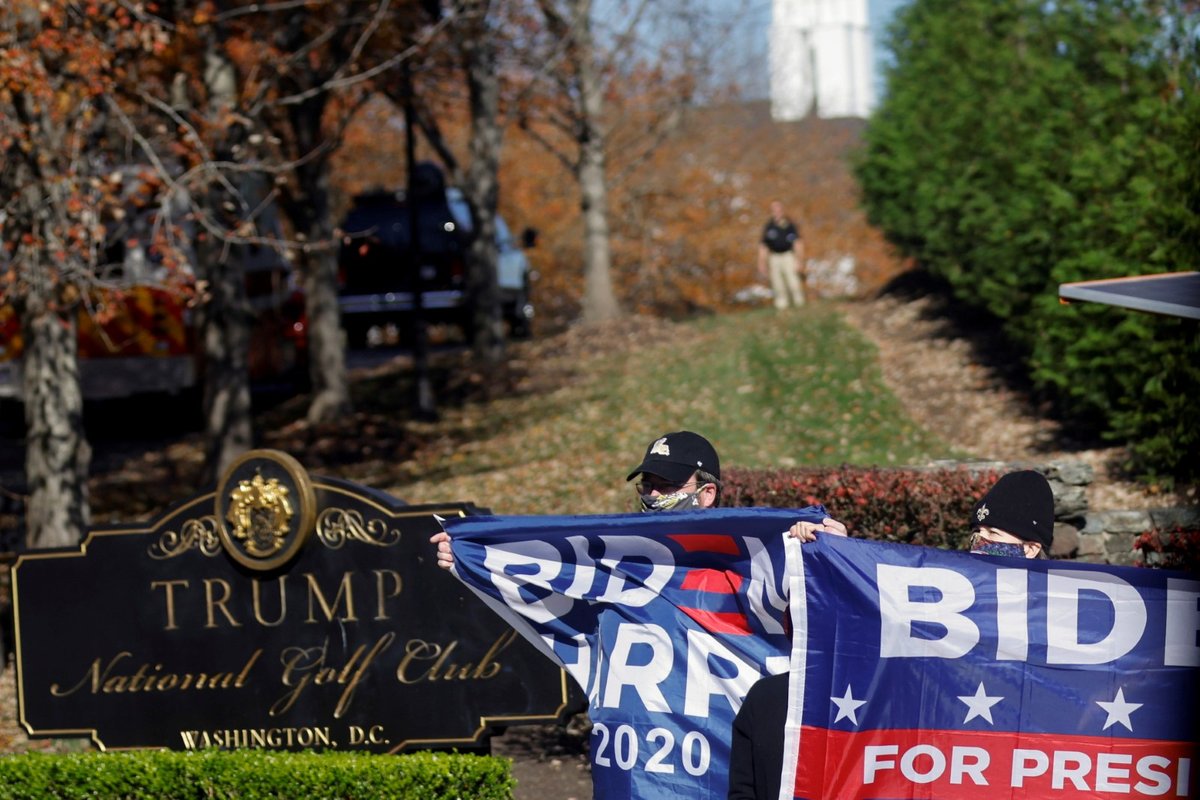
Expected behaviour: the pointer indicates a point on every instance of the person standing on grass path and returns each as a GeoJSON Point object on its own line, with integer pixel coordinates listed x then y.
{"type": "Point", "coordinates": [680, 471]}
{"type": "Point", "coordinates": [1014, 519]}
{"type": "Point", "coordinates": [781, 257]}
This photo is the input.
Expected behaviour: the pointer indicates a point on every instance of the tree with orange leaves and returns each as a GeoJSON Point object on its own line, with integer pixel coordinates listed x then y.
{"type": "Point", "coordinates": [264, 91]}
{"type": "Point", "coordinates": [302, 81]}
{"type": "Point", "coordinates": [63, 65]}
{"type": "Point", "coordinates": [602, 98]}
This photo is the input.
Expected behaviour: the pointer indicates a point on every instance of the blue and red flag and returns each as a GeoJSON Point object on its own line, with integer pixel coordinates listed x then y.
{"type": "Point", "coordinates": [916, 673]}
{"type": "Point", "coordinates": [930, 674]}
{"type": "Point", "coordinates": [664, 620]}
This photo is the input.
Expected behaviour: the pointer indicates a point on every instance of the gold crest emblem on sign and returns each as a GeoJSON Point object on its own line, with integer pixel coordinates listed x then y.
{"type": "Point", "coordinates": [260, 515]}
{"type": "Point", "coordinates": [266, 505]}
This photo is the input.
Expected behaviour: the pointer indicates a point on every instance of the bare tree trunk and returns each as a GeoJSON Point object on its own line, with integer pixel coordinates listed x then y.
{"type": "Point", "coordinates": [326, 343]}
{"type": "Point", "coordinates": [228, 429]}
{"type": "Point", "coordinates": [57, 455]}
{"type": "Point", "coordinates": [599, 300]}
{"type": "Point", "coordinates": [227, 317]}
{"type": "Point", "coordinates": [482, 189]}
{"type": "Point", "coordinates": [307, 206]}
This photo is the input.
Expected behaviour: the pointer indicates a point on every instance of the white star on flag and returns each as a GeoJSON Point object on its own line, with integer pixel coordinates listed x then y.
{"type": "Point", "coordinates": [979, 704]}
{"type": "Point", "coordinates": [847, 705]}
{"type": "Point", "coordinates": [1118, 711]}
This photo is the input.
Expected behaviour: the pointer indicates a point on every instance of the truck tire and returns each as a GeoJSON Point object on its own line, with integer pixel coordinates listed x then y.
{"type": "Point", "coordinates": [356, 334]}
{"type": "Point", "coordinates": [518, 318]}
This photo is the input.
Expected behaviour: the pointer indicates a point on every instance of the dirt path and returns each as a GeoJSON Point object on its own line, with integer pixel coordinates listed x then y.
{"type": "Point", "coordinates": [953, 382]}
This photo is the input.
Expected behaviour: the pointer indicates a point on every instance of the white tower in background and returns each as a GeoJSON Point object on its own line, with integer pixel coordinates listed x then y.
{"type": "Point", "coordinates": [820, 59]}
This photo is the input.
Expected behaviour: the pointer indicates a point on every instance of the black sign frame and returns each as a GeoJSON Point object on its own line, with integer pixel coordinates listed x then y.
{"type": "Point", "coordinates": [166, 636]}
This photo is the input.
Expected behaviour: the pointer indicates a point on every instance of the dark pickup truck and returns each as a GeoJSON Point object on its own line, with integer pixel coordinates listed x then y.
{"type": "Point", "coordinates": [379, 269]}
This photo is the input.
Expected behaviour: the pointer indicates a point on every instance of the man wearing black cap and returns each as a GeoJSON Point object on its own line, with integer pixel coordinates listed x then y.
{"type": "Point", "coordinates": [681, 471]}
{"type": "Point", "coordinates": [1015, 518]}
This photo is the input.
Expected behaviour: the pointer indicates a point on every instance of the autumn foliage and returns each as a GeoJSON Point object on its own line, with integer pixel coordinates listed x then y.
{"type": "Point", "coordinates": [685, 221]}
{"type": "Point", "coordinates": [62, 66]}
{"type": "Point", "coordinates": [1176, 547]}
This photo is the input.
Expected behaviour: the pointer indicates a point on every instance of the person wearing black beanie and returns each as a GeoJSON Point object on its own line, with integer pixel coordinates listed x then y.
{"type": "Point", "coordinates": [1015, 517]}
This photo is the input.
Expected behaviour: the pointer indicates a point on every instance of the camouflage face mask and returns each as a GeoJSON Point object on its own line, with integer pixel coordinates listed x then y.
{"type": "Point", "coordinates": [676, 501]}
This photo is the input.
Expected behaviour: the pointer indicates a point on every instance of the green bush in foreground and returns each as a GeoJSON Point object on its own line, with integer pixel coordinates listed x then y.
{"type": "Point", "coordinates": [253, 775]}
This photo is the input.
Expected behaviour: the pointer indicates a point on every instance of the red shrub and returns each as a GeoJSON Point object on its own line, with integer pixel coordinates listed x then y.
{"type": "Point", "coordinates": [918, 506]}
{"type": "Point", "coordinates": [1174, 548]}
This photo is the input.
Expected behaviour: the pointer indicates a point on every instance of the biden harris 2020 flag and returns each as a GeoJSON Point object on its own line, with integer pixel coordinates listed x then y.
{"type": "Point", "coordinates": [665, 621]}
{"type": "Point", "coordinates": [914, 673]}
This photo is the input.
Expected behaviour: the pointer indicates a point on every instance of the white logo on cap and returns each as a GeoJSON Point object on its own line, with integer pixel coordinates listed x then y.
{"type": "Point", "coordinates": [982, 513]}
{"type": "Point", "coordinates": [660, 448]}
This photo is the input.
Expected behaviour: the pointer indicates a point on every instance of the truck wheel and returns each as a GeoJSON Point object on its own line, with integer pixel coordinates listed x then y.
{"type": "Point", "coordinates": [356, 334]}
{"type": "Point", "coordinates": [468, 328]}
{"type": "Point", "coordinates": [518, 316]}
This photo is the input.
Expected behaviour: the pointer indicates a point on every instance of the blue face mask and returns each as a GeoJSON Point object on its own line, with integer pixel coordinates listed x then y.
{"type": "Point", "coordinates": [999, 549]}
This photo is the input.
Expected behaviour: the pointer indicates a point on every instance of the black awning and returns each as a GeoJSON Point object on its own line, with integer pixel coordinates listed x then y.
{"type": "Point", "coordinates": [1176, 294]}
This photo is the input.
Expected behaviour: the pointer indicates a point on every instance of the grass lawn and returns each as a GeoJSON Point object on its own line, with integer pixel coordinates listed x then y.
{"type": "Point", "coordinates": [770, 390]}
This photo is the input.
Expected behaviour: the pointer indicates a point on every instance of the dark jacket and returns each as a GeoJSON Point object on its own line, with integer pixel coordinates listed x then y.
{"type": "Point", "coordinates": [756, 760]}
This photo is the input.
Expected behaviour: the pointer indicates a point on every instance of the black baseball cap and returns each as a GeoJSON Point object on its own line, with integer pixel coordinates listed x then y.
{"type": "Point", "coordinates": [675, 456]}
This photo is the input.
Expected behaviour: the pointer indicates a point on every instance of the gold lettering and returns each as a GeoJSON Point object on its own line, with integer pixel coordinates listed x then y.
{"type": "Point", "coordinates": [169, 593]}
{"type": "Point", "coordinates": [345, 589]}
{"type": "Point", "coordinates": [343, 704]}
{"type": "Point", "coordinates": [268, 737]}
{"type": "Point", "coordinates": [435, 657]}
{"type": "Point", "coordinates": [256, 591]}
{"type": "Point", "coordinates": [115, 684]}
{"type": "Point", "coordinates": [245, 673]}
{"type": "Point", "coordinates": [298, 665]}
{"type": "Point", "coordinates": [416, 650]}
{"type": "Point", "coordinates": [97, 676]}
{"type": "Point", "coordinates": [359, 736]}
{"type": "Point", "coordinates": [488, 666]}
{"type": "Point", "coordinates": [212, 603]}
{"type": "Point", "coordinates": [380, 595]}
{"type": "Point", "coordinates": [139, 678]}
{"type": "Point", "coordinates": [435, 670]}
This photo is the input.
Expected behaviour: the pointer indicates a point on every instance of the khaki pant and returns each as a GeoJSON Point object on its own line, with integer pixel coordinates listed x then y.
{"type": "Point", "coordinates": [785, 282]}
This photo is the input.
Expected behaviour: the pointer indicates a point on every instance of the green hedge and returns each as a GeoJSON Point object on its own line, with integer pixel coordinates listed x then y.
{"type": "Point", "coordinates": [917, 506]}
{"type": "Point", "coordinates": [1024, 144]}
{"type": "Point", "coordinates": [253, 775]}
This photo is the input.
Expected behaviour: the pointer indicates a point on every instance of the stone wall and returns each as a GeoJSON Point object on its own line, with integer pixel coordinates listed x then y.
{"type": "Point", "coordinates": [1100, 537]}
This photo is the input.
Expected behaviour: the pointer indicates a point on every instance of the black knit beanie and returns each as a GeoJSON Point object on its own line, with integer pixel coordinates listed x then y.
{"type": "Point", "coordinates": [1020, 503]}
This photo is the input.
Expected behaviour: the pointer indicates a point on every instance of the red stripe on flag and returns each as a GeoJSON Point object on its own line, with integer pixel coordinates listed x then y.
{"type": "Point", "coordinates": [706, 542]}
{"type": "Point", "coordinates": [720, 621]}
{"type": "Point", "coordinates": [982, 765]}
{"type": "Point", "coordinates": [712, 580]}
